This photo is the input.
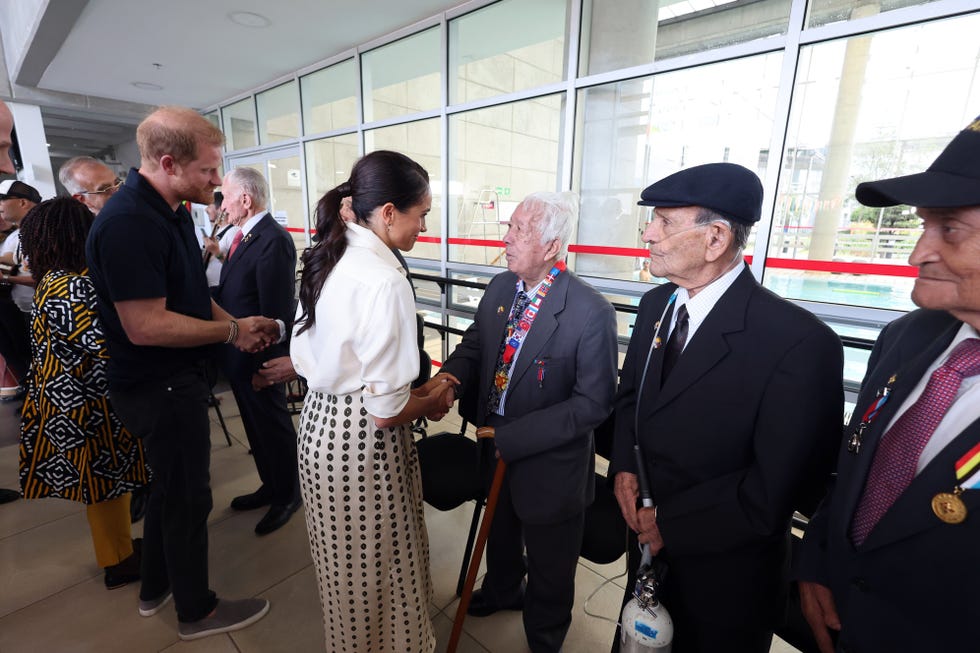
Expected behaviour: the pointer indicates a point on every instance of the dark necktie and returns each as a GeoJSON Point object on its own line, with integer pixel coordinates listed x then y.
{"type": "Point", "coordinates": [895, 460]}
{"type": "Point", "coordinates": [676, 342]}
{"type": "Point", "coordinates": [503, 368]}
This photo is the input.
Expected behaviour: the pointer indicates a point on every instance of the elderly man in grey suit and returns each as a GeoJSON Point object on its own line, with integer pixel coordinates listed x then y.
{"type": "Point", "coordinates": [538, 366]}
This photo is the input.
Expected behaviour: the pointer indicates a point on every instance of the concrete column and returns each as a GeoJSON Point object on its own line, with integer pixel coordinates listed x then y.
{"type": "Point", "coordinates": [833, 184]}
{"type": "Point", "coordinates": [621, 33]}
{"type": "Point", "coordinates": [33, 149]}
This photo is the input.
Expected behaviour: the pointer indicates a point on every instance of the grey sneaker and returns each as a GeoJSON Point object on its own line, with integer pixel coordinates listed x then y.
{"type": "Point", "coordinates": [151, 607]}
{"type": "Point", "coordinates": [227, 616]}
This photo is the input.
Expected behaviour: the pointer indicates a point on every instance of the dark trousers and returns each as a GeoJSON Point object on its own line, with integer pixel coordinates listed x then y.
{"type": "Point", "coordinates": [268, 427]}
{"type": "Point", "coordinates": [552, 558]}
{"type": "Point", "coordinates": [693, 633]}
{"type": "Point", "coordinates": [15, 339]}
{"type": "Point", "coordinates": [171, 418]}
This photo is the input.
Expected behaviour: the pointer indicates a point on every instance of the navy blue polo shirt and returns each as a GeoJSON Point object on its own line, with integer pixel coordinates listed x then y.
{"type": "Point", "coordinates": [139, 248]}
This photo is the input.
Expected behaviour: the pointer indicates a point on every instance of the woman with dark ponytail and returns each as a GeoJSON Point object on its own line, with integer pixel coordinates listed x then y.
{"type": "Point", "coordinates": [355, 343]}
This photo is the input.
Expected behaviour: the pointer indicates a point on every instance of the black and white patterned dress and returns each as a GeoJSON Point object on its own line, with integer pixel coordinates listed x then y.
{"type": "Point", "coordinates": [361, 485]}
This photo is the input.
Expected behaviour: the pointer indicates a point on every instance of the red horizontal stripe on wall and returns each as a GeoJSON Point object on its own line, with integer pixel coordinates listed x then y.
{"type": "Point", "coordinates": [609, 251]}
{"type": "Point", "coordinates": [843, 267]}
{"type": "Point", "coordinates": [840, 267]}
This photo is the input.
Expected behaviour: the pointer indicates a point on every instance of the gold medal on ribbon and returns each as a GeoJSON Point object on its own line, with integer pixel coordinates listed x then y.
{"type": "Point", "coordinates": [949, 507]}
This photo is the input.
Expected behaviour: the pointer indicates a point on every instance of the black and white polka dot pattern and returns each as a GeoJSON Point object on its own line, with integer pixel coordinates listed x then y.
{"type": "Point", "coordinates": [363, 497]}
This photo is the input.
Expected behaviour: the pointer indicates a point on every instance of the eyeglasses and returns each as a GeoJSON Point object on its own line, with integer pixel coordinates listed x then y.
{"type": "Point", "coordinates": [108, 190]}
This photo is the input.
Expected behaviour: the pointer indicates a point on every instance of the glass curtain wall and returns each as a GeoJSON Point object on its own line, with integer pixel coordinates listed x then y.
{"type": "Point", "coordinates": [603, 97]}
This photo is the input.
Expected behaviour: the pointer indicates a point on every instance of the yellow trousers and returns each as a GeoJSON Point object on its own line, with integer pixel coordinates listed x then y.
{"type": "Point", "coordinates": [110, 524]}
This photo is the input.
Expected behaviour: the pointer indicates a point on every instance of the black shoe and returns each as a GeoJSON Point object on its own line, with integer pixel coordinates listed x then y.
{"type": "Point", "coordinates": [251, 501]}
{"type": "Point", "coordinates": [480, 607]}
{"type": "Point", "coordinates": [6, 496]}
{"type": "Point", "coordinates": [277, 517]}
{"type": "Point", "coordinates": [125, 572]}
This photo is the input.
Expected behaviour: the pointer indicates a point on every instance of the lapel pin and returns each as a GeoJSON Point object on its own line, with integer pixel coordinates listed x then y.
{"type": "Point", "coordinates": [500, 310]}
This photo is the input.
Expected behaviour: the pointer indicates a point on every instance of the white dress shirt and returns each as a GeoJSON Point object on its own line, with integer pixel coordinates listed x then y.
{"type": "Point", "coordinates": [699, 306]}
{"type": "Point", "coordinates": [22, 295]}
{"type": "Point", "coordinates": [365, 334]}
{"type": "Point", "coordinates": [213, 271]}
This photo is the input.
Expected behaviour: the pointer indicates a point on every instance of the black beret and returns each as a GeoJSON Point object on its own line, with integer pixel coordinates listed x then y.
{"type": "Point", "coordinates": [953, 179]}
{"type": "Point", "coordinates": [728, 189]}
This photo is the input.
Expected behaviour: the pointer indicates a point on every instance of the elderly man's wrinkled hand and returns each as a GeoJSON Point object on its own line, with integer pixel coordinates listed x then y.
{"type": "Point", "coordinates": [820, 611]}
{"type": "Point", "coordinates": [649, 532]}
{"type": "Point", "coordinates": [440, 398]}
{"type": "Point", "coordinates": [627, 490]}
{"type": "Point", "coordinates": [277, 370]}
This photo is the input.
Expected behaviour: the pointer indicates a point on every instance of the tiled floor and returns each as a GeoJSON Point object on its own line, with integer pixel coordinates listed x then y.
{"type": "Point", "coordinates": [52, 598]}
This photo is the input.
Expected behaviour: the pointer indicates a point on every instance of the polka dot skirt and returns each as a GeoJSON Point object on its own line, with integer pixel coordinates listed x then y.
{"type": "Point", "coordinates": [363, 497]}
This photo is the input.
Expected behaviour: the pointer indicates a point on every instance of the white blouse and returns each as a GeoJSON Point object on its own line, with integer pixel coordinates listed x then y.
{"type": "Point", "coordinates": [365, 331]}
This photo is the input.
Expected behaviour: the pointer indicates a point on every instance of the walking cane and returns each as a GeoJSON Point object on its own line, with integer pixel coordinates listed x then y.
{"type": "Point", "coordinates": [481, 541]}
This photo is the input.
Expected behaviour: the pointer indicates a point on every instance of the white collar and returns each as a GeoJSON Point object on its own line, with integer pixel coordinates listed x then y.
{"type": "Point", "coordinates": [251, 222]}
{"type": "Point", "coordinates": [358, 236]}
{"type": "Point", "coordinates": [701, 304]}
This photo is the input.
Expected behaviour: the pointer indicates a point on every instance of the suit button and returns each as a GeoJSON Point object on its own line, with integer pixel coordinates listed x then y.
{"type": "Point", "coordinates": [860, 583]}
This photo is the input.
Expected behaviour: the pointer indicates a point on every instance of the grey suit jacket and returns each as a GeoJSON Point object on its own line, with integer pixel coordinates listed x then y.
{"type": "Point", "coordinates": [561, 387]}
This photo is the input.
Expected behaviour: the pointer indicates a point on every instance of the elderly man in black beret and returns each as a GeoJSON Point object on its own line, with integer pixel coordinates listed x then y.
{"type": "Point", "coordinates": [734, 397]}
{"type": "Point", "coordinates": [890, 559]}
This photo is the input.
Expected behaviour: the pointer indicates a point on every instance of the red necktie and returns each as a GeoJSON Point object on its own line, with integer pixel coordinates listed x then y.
{"type": "Point", "coordinates": [897, 456]}
{"type": "Point", "coordinates": [234, 244]}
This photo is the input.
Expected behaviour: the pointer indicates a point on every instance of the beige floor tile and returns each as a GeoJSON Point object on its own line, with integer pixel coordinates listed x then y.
{"type": "Point", "coordinates": [45, 560]}
{"type": "Point", "coordinates": [444, 627]}
{"type": "Point", "coordinates": [294, 622]}
{"type": "Point", "coordinates": [214, 644]}
{"type": "Point", "coordinates": [87, 618]}
{"type": "Point", "coordinates": [22, 515]}
{"type": "Point", "coordinates": [245, 564]}
{"type": "Point", "coordinates": [447, 540]}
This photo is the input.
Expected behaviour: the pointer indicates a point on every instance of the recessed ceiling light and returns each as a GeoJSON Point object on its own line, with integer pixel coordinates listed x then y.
{"type": "Point", "coordinates": [147, 86]}
{"type": "Point", "coordinates": [249, 19]}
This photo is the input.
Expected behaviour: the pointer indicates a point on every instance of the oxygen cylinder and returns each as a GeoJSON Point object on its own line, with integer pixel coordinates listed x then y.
{"type": "Point", "coordinates": [645, 629]}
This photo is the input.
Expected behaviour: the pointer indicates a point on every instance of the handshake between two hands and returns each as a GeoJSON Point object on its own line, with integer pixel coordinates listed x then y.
{"type": "Point", "coordinates": [256, 333]}
{"type": "Point", "coordinates": [437, 395]}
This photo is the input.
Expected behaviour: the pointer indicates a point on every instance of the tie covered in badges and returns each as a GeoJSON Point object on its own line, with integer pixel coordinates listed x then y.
{"type": "Point", "coordinates": [522, 316]}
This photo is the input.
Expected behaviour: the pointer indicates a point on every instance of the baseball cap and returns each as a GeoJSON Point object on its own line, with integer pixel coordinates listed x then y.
{"type": "Point", "coordinates": [14, 188]}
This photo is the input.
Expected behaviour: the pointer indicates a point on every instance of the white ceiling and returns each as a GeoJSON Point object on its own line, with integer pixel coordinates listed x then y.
{"type": "Point", "coordinates": [98, 49]}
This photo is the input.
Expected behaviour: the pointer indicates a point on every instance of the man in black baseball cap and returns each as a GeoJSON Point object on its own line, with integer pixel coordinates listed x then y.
{"type": "Point", "coordinates": [734, 397]}
{"type": "Point", "coordinates": [908, 476]}
{"type": "Point", "coordinates": [13, 189]}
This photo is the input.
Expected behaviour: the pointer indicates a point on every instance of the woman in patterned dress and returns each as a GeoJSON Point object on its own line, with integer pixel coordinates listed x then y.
{"type": "Point", "coordinates": [355, 343]}
{"type": "Point", "coordinates": [72, 444]}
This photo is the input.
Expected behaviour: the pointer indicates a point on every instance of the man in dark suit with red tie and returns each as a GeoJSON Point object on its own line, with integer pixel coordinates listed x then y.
{"type": "Point", "coordinates": [735, 399]}
{"type": "Point", "coordinates": [890, 559]}
{"type": "Point", "coordinates": [258, 277]}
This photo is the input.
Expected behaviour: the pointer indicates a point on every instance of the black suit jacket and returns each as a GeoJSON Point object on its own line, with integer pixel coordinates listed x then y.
{"type": "Point", "coordinates": [912, 584]}
{"type": "Point", "coordinates": [260, 279]}
{"type": "Point", "coordinates": [547, 440]}
{"type": "Point", "coordinates": [742, 433]}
